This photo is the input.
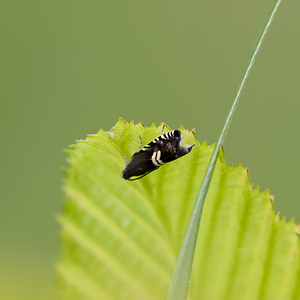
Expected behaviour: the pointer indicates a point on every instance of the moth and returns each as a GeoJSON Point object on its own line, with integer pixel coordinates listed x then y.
{"type": "Point", "coordinates": [163, 149]}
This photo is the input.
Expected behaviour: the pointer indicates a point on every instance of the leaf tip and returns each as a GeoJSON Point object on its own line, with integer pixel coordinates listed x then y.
{"type": "Point", "coordinates": [257, 189]}
{"type": "Point", "coordinates": [268, 193]}
{"type": "Point", "coordinates": [121, 120]}
{"type": "Point", "coordinates": [222, 154]}
{"type": "Point", "coordinates": [68, 150]}
{"type": "Point", "coordinates": [297, 229]}
{"type": "Point", "coordinates": [71, 147]}
{"type": "Point", "coordinates": [295, 226]}
{"type": "Point", "coordinates": [142, 124]}
{"type": "Point", "coordinates": [277, 216]}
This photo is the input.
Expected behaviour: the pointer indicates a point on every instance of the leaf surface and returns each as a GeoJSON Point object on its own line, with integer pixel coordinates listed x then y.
{"type": "Point", "coordinates": [121, 239]}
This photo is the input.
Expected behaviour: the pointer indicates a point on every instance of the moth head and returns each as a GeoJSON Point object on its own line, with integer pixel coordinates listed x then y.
{"type": "Point", "coordinates": [185, 150]}
{"type": "Point", "coordinates": [181, 150]}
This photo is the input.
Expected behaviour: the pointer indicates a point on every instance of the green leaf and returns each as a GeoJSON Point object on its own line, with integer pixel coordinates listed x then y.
{"type": "Point", "coordinates": [121, 239]}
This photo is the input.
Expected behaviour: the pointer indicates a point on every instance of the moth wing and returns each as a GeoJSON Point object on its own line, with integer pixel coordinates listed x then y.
{"type": "Point", "coordinates": [139, 158]}
{"type": "Point", "coordinates": [139, 164]}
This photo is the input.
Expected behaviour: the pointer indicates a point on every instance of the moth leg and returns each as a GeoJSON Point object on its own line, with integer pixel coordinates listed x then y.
{"type": "Point", "coordinates": [140, 144]}
{"type": "Point", "coordinates": [162, 129]}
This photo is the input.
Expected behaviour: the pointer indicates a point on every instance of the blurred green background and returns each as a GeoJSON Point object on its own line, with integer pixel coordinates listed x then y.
{"type": "Point", "coordinates": [69, 68]}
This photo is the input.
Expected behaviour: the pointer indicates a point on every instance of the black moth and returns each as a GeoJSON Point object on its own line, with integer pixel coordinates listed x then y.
{"type": "Point", "coordinates": [163, 149]}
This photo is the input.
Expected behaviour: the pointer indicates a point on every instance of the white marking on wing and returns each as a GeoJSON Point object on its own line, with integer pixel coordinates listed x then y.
{"type": "Point", "coordinates": [160, 162]}
{"type": "Point", "coordinates": [153, 158]}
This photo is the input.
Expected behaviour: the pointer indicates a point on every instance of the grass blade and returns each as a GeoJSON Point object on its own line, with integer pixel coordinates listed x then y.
{"type": "Point", "coordinates": [181, 277]}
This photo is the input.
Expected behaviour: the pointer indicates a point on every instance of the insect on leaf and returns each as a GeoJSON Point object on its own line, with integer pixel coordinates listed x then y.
{"type": "Point", "coordinates": [121, 239]}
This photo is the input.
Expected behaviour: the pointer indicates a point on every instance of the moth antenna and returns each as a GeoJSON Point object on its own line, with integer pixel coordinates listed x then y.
{"type": "Point", "coordinates": [140, 144]}
{"type": "Point", "coordinates": [125, 158]}
{"type": "Point", "coordinates": [162, 130]}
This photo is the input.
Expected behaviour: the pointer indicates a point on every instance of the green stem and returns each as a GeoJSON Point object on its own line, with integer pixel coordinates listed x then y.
{"type": "Point", "coordinates": [182, 273]}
